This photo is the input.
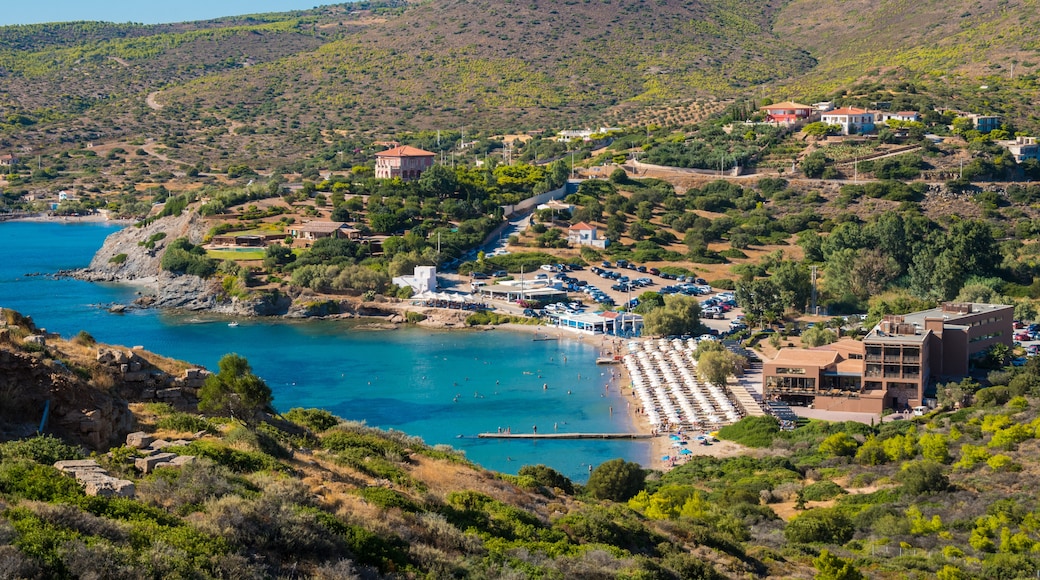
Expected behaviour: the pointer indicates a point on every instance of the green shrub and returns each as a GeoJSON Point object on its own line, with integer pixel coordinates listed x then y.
{"type": "Point", "coordinates": [822, 491]}
{"type": "Point", "coordinates": [839, 445]}
{"type": "Point", "coordinates": [486, 317]}
{"type": "Point", "coordinates": [317, 420]}
{"type": "Point", "coordinates": [233, 459]}
{"type": "Point", "coordinates": [45, 449]}
{"type": "Point", "coordinates": [185, 423]}
{"type": "Point", "coordinates": [375, 466]}
{"type": "Point", "coordinates": [388, 498]}
{"type": "Point", "coordinates": [343, 440]}
{"type": "Point", "coordinates": [548, 477]}
{"type": "Point", "coordinates": [24, 479]}
{"type": "Point", "coordinates": [158, 408]}
{"type": "Point", "coordinates": [820, 525]}
{"type": "Point", "coordinates": [367, 548]}
{"type": "Point", "coordinates": [84, 338]}
{"type": "Point", "coordinates": [920, 477]}
{"type": "Point", "coordinates": [616, 480]}
{"type": "Point", "coordinates": [752, 431]}
{"type": "Point", "coordinates": [118, 259]}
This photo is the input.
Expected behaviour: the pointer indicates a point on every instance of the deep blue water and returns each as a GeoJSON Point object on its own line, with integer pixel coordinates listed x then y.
{"type": "Point", "coordinates": [433, 384]}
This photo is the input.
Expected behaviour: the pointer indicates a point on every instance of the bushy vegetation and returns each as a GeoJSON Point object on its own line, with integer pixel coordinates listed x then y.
{"type": "Point", "coordinates": [183, 257]}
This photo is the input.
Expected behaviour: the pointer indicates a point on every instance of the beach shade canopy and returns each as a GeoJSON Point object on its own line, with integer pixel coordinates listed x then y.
{"type": "Point", "coordinates": [685, 452]}
{"type": "Point", "coordinates": [677, 444]}
{"type": "Point", "coordinates": [674, 437]}
{"type": "Point", "coordinates": [666, 457]}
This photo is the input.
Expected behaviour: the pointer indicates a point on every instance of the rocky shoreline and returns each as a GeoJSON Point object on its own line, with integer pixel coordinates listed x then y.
{"type": "Point", "coordinates": [126, 258]}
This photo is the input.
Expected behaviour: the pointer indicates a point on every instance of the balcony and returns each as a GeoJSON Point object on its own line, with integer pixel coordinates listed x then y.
{"type": "Point", "coordinates": [872, 358]}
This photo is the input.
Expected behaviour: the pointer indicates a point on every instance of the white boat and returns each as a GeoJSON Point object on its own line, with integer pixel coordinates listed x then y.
{"type": "Point", "coordinates": [233, 324]}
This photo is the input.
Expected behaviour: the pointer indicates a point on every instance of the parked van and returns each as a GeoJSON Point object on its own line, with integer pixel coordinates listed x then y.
{"type": "Point", "coordinates": [919, 411]}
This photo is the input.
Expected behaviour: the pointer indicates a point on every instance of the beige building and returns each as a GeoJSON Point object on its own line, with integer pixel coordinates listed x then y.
{"type": "Point", "coordinates": [315, 230]}
{"type": "Point", "coordinates": [894, 364]}
{"type": "Point", "coordinates": [405, 162]}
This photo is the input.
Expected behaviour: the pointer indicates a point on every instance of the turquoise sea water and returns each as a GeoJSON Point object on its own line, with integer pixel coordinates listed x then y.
{"type": "Point", "coordinates": [434, 384]}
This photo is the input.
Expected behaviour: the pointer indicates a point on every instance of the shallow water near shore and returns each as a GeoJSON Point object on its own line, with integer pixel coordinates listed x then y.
{"type": "Point", "coordinates": [443, 386]}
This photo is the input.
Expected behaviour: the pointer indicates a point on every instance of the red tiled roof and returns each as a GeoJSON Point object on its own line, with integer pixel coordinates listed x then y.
{"type": "Point", "coordinates": [582, 226]}
{"type": "Point", "coordinates": [319, 227]}
{"type": "Point", "coordinates": [405, 151]}
{"type": "Point", "coordinates": [786, 105]}
{"type": "Point", "coordinates": [847, 111]}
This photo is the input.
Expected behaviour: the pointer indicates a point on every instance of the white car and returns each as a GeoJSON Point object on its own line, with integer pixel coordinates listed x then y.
{"type": "Point", "coordinates": [546, 267]}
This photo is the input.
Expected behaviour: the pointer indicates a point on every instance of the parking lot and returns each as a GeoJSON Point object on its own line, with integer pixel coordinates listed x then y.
{"type": "Point", "coordinates": [617, 286]}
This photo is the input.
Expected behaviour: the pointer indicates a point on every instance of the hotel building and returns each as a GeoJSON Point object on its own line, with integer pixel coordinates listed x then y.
{"type": "Point", "coordinates": [894, 364]}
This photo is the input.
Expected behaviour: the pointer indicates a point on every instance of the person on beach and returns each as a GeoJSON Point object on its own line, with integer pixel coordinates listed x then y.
{"type": "Point", "coordinates": [534, 429]}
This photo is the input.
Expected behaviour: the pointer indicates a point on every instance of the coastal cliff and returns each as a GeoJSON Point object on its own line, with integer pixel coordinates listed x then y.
{"type": "Point", "coordinates": [134, 254]}
{"type": "Point", "coordinates": [85, 387]}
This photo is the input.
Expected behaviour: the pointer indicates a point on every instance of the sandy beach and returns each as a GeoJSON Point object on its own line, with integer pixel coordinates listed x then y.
{"type": "Point", "coordinates": [90, 218]}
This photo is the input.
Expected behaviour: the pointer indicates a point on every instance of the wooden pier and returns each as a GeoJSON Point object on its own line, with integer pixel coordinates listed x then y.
{"type": "Point", "coordinates": [564, 436]}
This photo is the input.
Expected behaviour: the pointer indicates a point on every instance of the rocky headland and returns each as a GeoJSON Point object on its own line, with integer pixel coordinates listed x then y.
{"type": "Point", "coordinates": [133, 255]}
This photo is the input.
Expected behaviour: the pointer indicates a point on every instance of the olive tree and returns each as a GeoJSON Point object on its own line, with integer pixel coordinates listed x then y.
{"type": "Point", "coordinates": [616, 480]}
{"type": "Point", "coordinates": [679, 315]}
{"type": "Point", "coordinates": [234, 390]}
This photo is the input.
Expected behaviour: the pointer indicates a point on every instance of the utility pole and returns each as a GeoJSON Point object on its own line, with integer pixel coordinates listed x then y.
{"type": "Point", "coordinates": [812, 302]}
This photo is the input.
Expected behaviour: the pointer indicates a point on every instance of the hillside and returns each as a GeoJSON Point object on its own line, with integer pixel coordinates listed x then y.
{"type": "Point", "coordinates": [265, 89]}
{"type": "Point", "coordinates": [304, 494]}
{"type": "Point", "coordinates": [978, 56]}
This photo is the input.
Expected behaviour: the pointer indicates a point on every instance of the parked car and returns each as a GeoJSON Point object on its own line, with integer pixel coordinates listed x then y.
{"type": "Point", "coordinates": [499, 274]}
{"type": "Point", "coordinates": [654, 271]}
{"type": "Point", "coordinates": [480, 276]}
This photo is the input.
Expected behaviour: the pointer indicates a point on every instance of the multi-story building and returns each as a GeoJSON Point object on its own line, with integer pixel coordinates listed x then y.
{"type": "Point", "coordinates": [985, 123]}
{"type": "Point", "coordinates": [894, 364]}
{"type": "Point", "coordinates": [1022, 148]}
{"type": "Point", "coordinates": [851, 120]}
{"type": "Point", "coordinates": [405, 162]}
{"type": "Point", "coordinates": [787, 112]}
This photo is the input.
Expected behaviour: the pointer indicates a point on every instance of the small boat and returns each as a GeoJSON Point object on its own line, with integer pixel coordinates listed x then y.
{"type": "Point", "coordinates": [233, 324]}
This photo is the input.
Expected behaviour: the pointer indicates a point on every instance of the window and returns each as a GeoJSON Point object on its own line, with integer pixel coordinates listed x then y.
{"type": "Point", "coordinates": [789, 371]}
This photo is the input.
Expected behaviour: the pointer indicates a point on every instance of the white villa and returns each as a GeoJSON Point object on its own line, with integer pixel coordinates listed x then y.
{"type": "Point", "coordinates": [584, 234]}
{"type": "Point", "coordinates": [850, 119]}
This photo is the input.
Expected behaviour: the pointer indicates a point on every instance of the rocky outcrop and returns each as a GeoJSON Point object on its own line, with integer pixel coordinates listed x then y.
{"type": "Point", "coordinates": [29, 384]}
{"type": "Point", "coordinates": [133, 254]}
{"type": "Point", "coordinates": [95, 480]}
{"type": "Point", "coordinates": [139, 381]}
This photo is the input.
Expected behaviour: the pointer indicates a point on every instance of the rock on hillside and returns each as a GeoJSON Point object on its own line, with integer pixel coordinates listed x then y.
{"type": "Point", "coordinates": [126, 257]}
{"type": "Point", "coordinates": [37, 368]}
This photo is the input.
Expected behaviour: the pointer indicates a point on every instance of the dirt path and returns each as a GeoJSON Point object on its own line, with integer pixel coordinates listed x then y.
{"type": "Point", "coordinates": [151, 102]}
